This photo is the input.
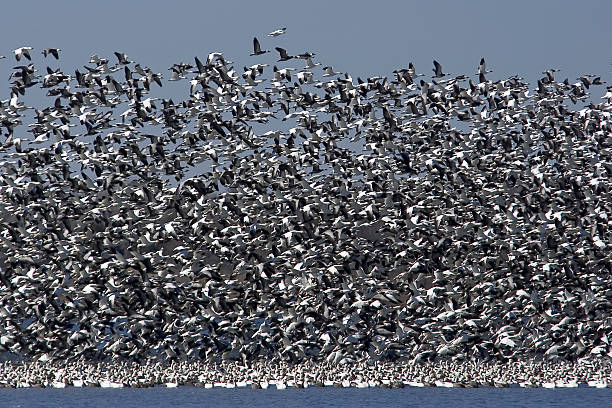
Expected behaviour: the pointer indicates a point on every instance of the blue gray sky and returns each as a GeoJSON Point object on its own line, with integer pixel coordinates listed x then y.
{"type": "Point", "coordinates": [365, 38]}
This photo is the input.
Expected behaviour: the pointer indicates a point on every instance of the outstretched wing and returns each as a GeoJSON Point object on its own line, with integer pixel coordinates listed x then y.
{"type": "Point", "coordinates": [256, 46]}
{"type": "Point", "coordinates": [282, 52]}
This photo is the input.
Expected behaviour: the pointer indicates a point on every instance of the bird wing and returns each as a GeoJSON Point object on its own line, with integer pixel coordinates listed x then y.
{"type": "Point", "coordinates": [200, 66]}
{"type": "Point", "coordinates": [282, 52]}
{"type": "Point", "coordinates": [438, 67]}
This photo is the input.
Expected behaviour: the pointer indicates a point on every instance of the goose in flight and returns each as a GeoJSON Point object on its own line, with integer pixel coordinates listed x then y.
{"type": "Point", "coordinates": [329, 71]}
{"type": "Point", "coordinates": [23, 51]}
{"type": "Point", "coordinates": [305, 55]}
{"type": "Point", "coordinates": [482, 68]}
{"type": "Point", "coordinates": [550, 75]}
{"type": "Point", "coordinates": [257, 48]}
{"type": "Point", "coordinates": [412, 71]}
{"type": "Point", "coordinates": [52, 51]}
{"type": "Point", "coordinates": [276, 33]}
{"type": "Point", "coordinates": [310, 64]}
{"type": "Point", "coordinates": [94, 59]}
{"type": "Point", "coordinates": [283, 54]}
{"type": "Point", "coordinates": [437, 69]}
{"type": "Point", "coordinates": [123, 58]}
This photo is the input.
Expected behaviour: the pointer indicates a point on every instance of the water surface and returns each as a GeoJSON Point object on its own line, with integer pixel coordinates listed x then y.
{"type": "Point", "coordinates": [310, 397]}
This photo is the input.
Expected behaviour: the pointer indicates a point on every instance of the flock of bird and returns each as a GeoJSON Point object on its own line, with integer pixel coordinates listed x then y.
{"type": "Point", "coordinates": [291, 212]}
{"type": "Point", "coordinates": [282, 375]}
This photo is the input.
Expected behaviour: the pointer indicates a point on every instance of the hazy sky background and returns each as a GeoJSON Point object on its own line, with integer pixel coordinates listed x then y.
{"type": "Point", "coordinates": [365, 38]}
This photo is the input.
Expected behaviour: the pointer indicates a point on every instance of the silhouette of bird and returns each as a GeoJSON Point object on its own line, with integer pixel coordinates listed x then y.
{"type": "Point", "coordinates": [283, 54]}
{"type": "Point", "coordinates": [257, 48]}
{"type": "Point", "coordinates": [437, 69]}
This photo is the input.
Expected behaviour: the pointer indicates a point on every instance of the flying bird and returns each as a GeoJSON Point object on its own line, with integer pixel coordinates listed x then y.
{"type": "Point", "coordinates": [482, 68]}
{"type": "Point", "coordinates": [123, 58]}
{"type": "Point", "coordinates": [437, 69]}
{"type": "Point", "coordinates": [22, 51]}
{"type": "Point", "coordinates": [52, 51]}
{"type": "Point", "coordinates": [310, 64]}
{"type": "Point", "coordinates": [329, 71]}
{"type": "Point", "coordinates": [257, 48]}
{"type": "Point", "coordinates": [276, 33]}
{"type": "Point", "coordinates": [283, 54]}
{"type": "Point", "coordinates": [305, 55]}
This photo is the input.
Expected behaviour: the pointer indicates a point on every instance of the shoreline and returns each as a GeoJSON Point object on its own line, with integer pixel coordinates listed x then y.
{"type": "Point", "coordinates": [281, 375]}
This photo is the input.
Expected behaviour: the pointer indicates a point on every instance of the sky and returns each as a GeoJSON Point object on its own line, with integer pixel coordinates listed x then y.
{"type": "Point", "coordinates": [364, 38]}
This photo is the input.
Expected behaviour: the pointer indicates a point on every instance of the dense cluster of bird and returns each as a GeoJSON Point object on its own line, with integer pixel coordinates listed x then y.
{"type": "Point", "coordinates": [282, 375]}
{"type": "Point", "coordinates": [291, 212]}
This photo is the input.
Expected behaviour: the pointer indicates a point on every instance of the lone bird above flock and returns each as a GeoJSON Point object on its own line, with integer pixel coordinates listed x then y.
{"type": "Point", "coordinates": [482, 67]}
{"type": "Point", "coordinates": [437, 69]}
{"type": "Point", "coordinates": [278, 32]}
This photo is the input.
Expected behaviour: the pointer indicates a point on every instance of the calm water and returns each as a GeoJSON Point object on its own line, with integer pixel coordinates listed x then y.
{"type": "Point", "coordinates": [312, 397]}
